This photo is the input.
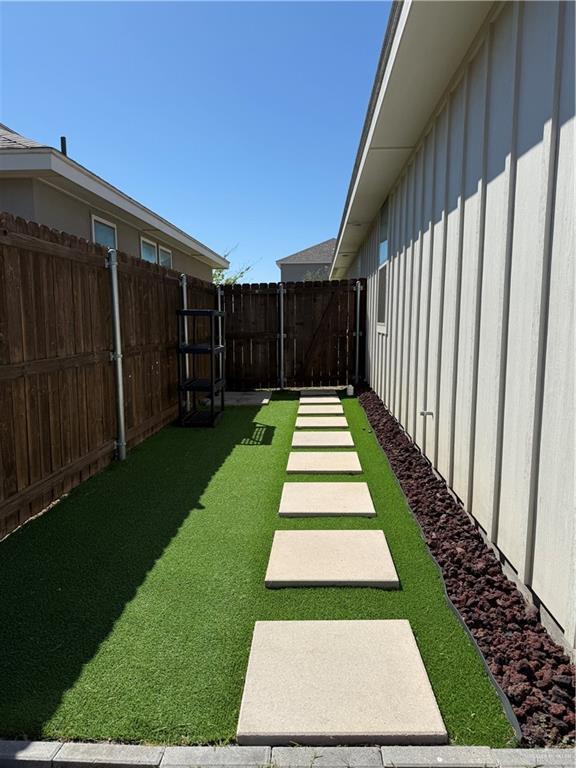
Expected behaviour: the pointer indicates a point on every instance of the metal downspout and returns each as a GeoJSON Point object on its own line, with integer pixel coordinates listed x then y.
{"type": "Point", "coordinates": [281, 335]}
{"type": "Point", "coordinates": [358, 333]}
{"type": "Point", "coordinates": [112, 264]}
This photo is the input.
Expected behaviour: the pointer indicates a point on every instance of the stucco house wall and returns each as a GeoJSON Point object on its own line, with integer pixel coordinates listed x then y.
{"type": "Point", "coordinates": [470, 339]}
{"type": "Point", "coordinates": [300, 272]}
{"type": "Point", "coordinates": [37, 201]}
{"type": "Point", "coordinates": [17, 196]}
{"type": "Point", "coordinates": [312, 263]}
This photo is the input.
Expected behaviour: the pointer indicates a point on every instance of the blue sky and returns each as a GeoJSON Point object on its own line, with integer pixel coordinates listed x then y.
{"type": "Point", "coordinates": [238, 121]}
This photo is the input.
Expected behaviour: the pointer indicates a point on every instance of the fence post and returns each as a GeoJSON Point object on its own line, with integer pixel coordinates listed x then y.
{"type": "Point", "coordinates": [221, 361]}
{"type": "Point", "coordinates": [281, 335]}
{"type": "Point", "coordinates": [112, 264]}
{"type": "Point", "coordinates": [184, 289]}
{"type": "Point", "coordinates": [358, 334]}
{"type": "Point", "coordinates": [185, 360]}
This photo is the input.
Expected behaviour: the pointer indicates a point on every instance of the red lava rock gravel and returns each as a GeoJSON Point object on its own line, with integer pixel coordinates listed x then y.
{"type": "Point", "coordinates": [532, 670]}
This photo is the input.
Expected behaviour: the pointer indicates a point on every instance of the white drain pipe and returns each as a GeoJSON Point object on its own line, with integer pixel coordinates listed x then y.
{"type": "Point", "coordinates": [281, 335]}
{"type": "Point", "coordinates": [358, 289]}
{"type": "Point", "coordinates": [116, 356]}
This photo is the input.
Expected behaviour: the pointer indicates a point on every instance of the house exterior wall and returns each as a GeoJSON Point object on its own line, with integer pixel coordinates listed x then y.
{"type": "Point", "coordinates": [300, 272]}
{"type": "Point", "coordinates": [17, 196]}
{"type": "Point", "coordinates": [37, 201]}
{"type": "Point", "coordinates": [479, 315]}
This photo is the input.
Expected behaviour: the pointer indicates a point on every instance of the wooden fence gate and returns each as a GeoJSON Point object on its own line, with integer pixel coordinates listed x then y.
{"type": "Point", "coordinates": [323, 326]}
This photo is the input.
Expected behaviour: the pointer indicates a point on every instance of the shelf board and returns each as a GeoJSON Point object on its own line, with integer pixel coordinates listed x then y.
{"type": "Point", "coordinates": [201, 385]}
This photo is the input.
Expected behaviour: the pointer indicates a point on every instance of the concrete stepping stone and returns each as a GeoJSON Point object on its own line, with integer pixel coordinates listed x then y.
{"type": "Point", "coordinates": [322, 440]}
{"type": "Point", "coordinates": [324, 462]}
{"type": "Point", "coordinates": [321, 422]}
{"type": "Point", "coordinates": [320, 401]}
{"type": "Point", "coordinates": [318, 393]}
{"type": "Point", "coordinates": [326, 500]}
{"type": "Point", "coordinates": [326, 410]}
{"type": "Point", "coordinates": [331, 559]}
{"type": "Point", "coordinates": [337, 682]}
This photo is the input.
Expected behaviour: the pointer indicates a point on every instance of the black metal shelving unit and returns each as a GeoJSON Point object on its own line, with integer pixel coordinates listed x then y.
{"type": "Point", "coordinates": [200, 385]}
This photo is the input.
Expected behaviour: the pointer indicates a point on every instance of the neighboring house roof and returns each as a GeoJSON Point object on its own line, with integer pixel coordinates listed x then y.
{"type": "Point", "coordinates": [11, 140]}
{"type": "Point", "coordinates": [321, 253]}
{"type": "Point", "coordinates": [21, 157]}
{"type": "Point", "coordinates": [423, 46]}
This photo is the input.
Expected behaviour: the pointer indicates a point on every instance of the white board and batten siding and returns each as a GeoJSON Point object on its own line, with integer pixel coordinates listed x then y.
{"type": "Point", "coordinates": [478, 327]}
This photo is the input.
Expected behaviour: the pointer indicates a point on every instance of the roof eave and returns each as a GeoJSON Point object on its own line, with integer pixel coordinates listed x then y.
{"type": "Point", "coordinates": [289, 260]}
{"type": "Point", "coordinates": [406, 92]}
{"type": "Point", "coordinates": [45, 161]}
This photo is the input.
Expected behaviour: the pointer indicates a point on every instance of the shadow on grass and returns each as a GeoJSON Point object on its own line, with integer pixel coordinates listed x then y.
{"type": "Point", "coordinates": [285, 394]}
{"type": "Point", "coordinates": [66, 577]}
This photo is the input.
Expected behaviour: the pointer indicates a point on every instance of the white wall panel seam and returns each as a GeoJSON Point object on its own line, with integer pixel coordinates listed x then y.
{"type": "Point", "coordinates": [395, 294]}
{"type": "Point", "coordinates": [480, 269]}
{"type": "Point", "coordinates": [410, 351]}
{"type": "Point", "coordinates": [429, 288]}
{"type": "Point", "coordinates": [456, 339]}
{"type": "Point", "coordinates": [544, 305]}
{"type": "Point", "coordinates": [398, 331]}
{"type": "Point", "coordinates": [518, 12]}
{"type": "Point", "coordinates": [442, 282]}
{"type": "Point", "coordinates": [382, 339]}
{"type": "Point", "coordinates": [390, 297]}
{"type": "Point", "coordinates": [419, 291]}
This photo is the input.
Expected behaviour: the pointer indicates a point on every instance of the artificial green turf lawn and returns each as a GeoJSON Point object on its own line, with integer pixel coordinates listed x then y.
{"type": "Point", "coordinates": [126, 611]}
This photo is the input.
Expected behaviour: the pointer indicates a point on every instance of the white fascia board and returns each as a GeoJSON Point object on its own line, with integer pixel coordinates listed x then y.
{"type": "Point", "coordinates": [429, 44]}
{"type": "Point", "coordinates": [23, 162]}
{"type": "Point", "coordinates": [46, 162]}
{"type": "Point", "coordinates": [393, 52]}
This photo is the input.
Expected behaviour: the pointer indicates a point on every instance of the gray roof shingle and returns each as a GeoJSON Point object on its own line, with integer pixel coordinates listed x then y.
{"type": "Point", "coordinates": [9, 139]}
{"type": "Point", "coordinates": [321, 253]}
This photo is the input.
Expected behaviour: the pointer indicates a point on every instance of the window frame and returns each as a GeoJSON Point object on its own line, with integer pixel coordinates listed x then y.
{"type": "Point", "coordinates": [166, 250]}
{"type": "Point", "coordinates": [381, 325]}
{"type": "Point", "coordinates": [385, 209]}
{"type": "Point", "coordinates": [100, 220]}
{"type": "Point", "coordinates": [149, 242]}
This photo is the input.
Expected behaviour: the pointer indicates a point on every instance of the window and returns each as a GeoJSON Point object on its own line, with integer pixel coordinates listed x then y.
{"type": "Point", "coordinates": [383, 261]}
{"type": "Point", "coordinates": [103, 232]}
{"type": "Point", "coordinates": [165, 257]}
{"type": "Point", "coordinates": [148, 251]}
{"type": "Point", "coordinates": [383, 245]}
{"type": "Point", "coordinates": [382, 291]}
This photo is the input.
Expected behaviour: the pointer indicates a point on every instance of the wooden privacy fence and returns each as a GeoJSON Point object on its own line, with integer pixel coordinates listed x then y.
{"type": "Point", "coordinates": [58, 423]}
{"type": "Point", "coordinates": [57, 399]}
{"type": "Point", "coordinates": [323, 326]}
